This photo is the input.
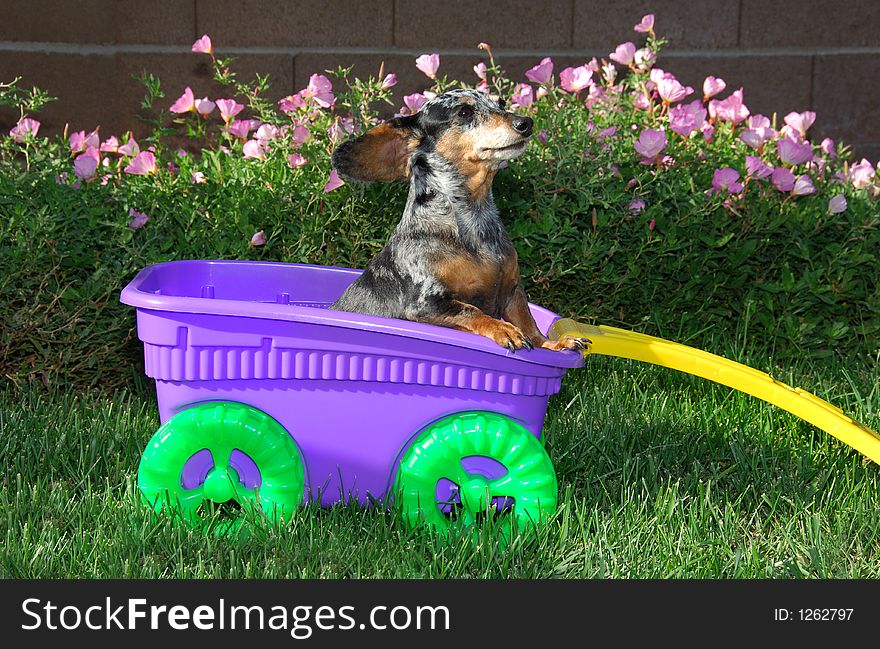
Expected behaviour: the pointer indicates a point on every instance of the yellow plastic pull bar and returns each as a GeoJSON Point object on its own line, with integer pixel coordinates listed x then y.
{"type": "Point", "coordinates": [611, 341]}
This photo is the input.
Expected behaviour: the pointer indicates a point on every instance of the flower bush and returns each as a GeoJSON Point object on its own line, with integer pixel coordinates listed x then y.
{"type": "Point", "coordinates": [642, 202]}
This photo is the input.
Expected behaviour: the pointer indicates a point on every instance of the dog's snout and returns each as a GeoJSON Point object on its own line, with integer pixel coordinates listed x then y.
{"type": "Point", "coordinates": [522, 125]}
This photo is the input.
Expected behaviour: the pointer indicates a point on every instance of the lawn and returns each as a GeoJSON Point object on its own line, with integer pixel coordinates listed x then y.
{"type": "Point", "coordinates": [661, 475]}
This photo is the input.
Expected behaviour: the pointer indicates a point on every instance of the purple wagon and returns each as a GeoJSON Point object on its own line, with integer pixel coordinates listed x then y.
{"type": "Point", "coordinates": [269, 399]}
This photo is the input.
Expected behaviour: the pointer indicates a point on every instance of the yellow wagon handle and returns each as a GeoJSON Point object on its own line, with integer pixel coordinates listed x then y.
{"type": "Point", "coordinates": [611, 341]}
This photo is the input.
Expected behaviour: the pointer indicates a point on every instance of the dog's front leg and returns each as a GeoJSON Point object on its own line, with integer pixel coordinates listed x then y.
{"type": "Point", "coordinates": [466, 317]}
{"type": "Point", "coordinates": [518, 313]}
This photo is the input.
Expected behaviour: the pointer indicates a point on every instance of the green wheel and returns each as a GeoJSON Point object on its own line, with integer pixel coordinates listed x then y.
{"type": "Point", "coordinates": [221, 452]}
{"type": "Point", "coordinates": [470, 462]}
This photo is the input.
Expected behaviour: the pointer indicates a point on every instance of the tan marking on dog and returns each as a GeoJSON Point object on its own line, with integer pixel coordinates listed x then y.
{"type": "Point", "coordinates": [470, 278]}
{"type": "Point", "coordinates": [466, 277]}
{"type": "Point", "coordinates": [382, 154]}
{"type": "Point", "coordinates": [460, 148]}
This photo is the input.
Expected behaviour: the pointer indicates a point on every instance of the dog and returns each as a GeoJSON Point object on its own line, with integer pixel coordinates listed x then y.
{"type": "Point", "coordinates": [449, 261]}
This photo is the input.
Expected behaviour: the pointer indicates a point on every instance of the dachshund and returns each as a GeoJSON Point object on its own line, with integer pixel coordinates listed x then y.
{"type": "Point", "coordinates": [449, 261]}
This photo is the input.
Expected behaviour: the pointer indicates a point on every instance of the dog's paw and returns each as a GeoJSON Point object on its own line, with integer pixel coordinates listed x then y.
{"type": "Point", "coordinates": [510, 336]}
{"type": "Point", "coordinates": [568, 343]}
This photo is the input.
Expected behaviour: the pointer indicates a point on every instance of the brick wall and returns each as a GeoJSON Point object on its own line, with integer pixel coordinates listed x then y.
{"type": "Point", "coordinates": [789, 55]}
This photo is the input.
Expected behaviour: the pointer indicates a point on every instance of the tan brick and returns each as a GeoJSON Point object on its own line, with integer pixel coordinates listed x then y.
{"type": "Point", "coordinates": [513, 24]}
{"type": "Point", "coordinates": [810, 23]}
{"type": "Point", "coordinates": [83, 21]}
{"type": "Point", "coordinates": [770, 83]}
{"type": "Point", "coordinates": [847, 108]}
{"type": "Point", "coordinates": [166, 22]}
{"type": "Point", "coordinates": [709, 24]}
{"type": "Point", "coordinates": [306, 23]}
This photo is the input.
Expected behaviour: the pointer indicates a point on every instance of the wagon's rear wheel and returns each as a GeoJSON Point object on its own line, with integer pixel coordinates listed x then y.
{"type": "Point", "coordinates": [475, 463]}
{"type": "Point", "coordinates": [222, 452]}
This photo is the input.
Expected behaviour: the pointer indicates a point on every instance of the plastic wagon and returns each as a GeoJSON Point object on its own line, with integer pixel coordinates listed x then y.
{"type": "Point", "coordinates": [268, 398]}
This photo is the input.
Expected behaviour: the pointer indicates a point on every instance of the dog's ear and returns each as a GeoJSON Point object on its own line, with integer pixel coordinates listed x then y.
{"type": "Point", "coordinates": [381, 154]}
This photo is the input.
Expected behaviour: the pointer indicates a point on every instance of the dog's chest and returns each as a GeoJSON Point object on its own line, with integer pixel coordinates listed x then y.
{"type": "Point", "coordinates": [485, 283]}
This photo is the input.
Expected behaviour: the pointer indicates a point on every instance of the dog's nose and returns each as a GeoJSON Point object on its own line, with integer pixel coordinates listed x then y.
{"type": "Point", "coordinates": [522, 125]}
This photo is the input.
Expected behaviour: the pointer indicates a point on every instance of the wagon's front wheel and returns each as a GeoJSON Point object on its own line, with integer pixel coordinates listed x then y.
{"type": "Point", "coordinates": [222, 452]}
{"type": "Point", "coordinates": [471, 463]}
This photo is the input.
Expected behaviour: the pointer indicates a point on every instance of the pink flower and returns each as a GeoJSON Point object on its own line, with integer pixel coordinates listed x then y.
{"type": "Point", "coordinates": [609, 74]}
{"type": "Point", "coordinates": [185, 103]}
{"type": "Point", "coordinates": [203, 45]}
{"type": "Point", "coordinates": [861, 174]}
{"type": "Point", "coordinates": [756, 168]}
{"type": "Point", "coordinates": [480, 70]}
{"type": "Point", "coordinates": [644, 58]}
{"type": "Point", "coordinates": [837, 204]}
{"type": "Point", "coordinates": [782, 179]}
{"type": "Point", "coordinates": [110, 145]}
{"type": "Point", "coordinates": [428, 63]}
{"type": "Point", "coordinates": [334, 182]}
{"type": "Point", "coordinates": [726, 179]}
{"type": "Point", "coordinates": [79, 141]}
{"type": "Point", "coordinates": [636, 206]}
{"type": "Point", "coordinates": [646, 24]}
{"type": "Point", "coordinates": [142, 164]}
{"type": "Point", "coordinates": [649, 145]}
{"type": "Point", "coordinates": [204, 106]}
{"type": "Point", "coordinates": [25, 128]}
{"type": "Point", "coordinates": [730, 109]}
{"type": "Point", "coordinates": [651, 224]}
{"type": "Point", "coordinates": [130, 148]}
{"type": "Point", "coordinates": [254, 149]}
{"type": "Point", "coordinates": [641, 100]}
{"type": "Point", "coordinates": [624, 53]}
{"type": "Point", "coordinates": [483, 87]}
{"type": "Point", "coordinates": [541, 73]}
{"type": "Point", "coordinates": [389, 81]}
{"type": "Point", "coordinates": [259, 239]}
{"type": "Point", "coordinates": [413, 103]}
{"type": "Point", "coordinates": [321, 90]}
{"type": "Point", "coordinates": [828, 147]}
{"type": "Point", "coordinates": [86, 164]}
{"type": "Point", "coordinates": [138, 219]}
{"type": "Point", "coordinates": [801, 122]}
{"type": "Point", "coordinates": [300, 134]}
{"type": "Point", "coordinates": [803, 186]}
{"type": "Point", "coordinates": [229, 108]}
{"type": "Point", "coordinates": [758, 133]}
{"type": "Point", "coordinates": [606, 132]}
{"type": "Point", "coordinates": [542, 136]}
{"type": "Point", "coordinates": [575, 79]}
{"type": "Point", "coordinates": [267, 132]}
{"type": "Point", "coordinates": [794, 153]}
{"type": "Point", "coordinates": [670, 90]}
{"type": "Point", "coordinates": [712, 86]}
{"type": "Point", "coordinates": [240, 128]}
{"type": "Point", "coordinates": [708, 131]}
{"type": "Point", "coordinates": [684, 119]}
{"type": "Point", "coordinates": [296, 160]}
{"type": "Point", "coordinates": [523, 96]}
{"type": "Point", "coordinates": [198, 178]}
{"type": "Point", "coordinates": [291, 103]}
{"type": "Point", "coordinates": [341, 127]}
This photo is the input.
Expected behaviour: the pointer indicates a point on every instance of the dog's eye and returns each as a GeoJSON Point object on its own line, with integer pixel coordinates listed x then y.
{"type": "Point", "coordinates": [465, 112]}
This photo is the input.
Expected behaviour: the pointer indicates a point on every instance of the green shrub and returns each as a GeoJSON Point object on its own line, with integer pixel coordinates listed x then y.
{"type": "Point", "coordinates": [607, 230]}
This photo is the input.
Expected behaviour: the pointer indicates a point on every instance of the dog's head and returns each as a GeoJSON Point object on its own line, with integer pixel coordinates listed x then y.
{"type": "Point", "coordinates": [468, 129]}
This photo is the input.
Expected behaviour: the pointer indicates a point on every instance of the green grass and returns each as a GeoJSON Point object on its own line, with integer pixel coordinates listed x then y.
{"type": "Point", "coordinates": [661, 475]}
